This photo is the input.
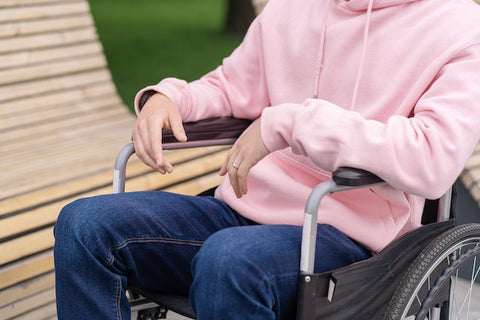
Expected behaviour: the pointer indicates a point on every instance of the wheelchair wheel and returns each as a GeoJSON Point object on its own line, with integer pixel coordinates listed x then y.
{"type": "Point", "coordinates": [444, 280]}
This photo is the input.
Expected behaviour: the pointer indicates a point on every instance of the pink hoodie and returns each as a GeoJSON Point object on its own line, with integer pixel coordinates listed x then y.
{"type": "Point", "coordinates": [398, 93]}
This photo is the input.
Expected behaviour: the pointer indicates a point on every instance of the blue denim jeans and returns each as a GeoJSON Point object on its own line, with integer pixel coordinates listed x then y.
{"type": "Point", "coordinates": [231, 267]}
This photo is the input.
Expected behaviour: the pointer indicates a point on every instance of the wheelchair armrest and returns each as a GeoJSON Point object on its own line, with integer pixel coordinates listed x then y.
{"type": "Point", "coordinates": [203, 133]}
{"type": "Point", "coordinates": [343, 179]}
{"type": "Point", "coordinates": [207, 132]}
{"type": "Point", "coordinates": [351, 177]}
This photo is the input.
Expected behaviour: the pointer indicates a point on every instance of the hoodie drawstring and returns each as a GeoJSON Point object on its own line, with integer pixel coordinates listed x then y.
{"type": "Point", "coordinates": [362, 56]}
{"type": "Point", "coordinates": [321, 50]}
{"type": "Point", "coordinates": [321, 53]}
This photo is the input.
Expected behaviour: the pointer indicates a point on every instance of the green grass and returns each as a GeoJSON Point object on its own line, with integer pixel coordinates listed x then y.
{"type": "Point", "coordinates": [147, 40]}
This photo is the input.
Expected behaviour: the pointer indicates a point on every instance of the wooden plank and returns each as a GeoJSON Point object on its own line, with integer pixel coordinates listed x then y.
{"type": "Point", "coordinates": [37, 110]}
{"type": "Point", "coordinates": [44, 312]}
{"type": "Point", "coordinates": [27, 120]}
{"type": "Point", "coordinates": [26, 289]}
{"type": "Point", "coordinates": [43, 11]}
{"type": "Point", "coordinates": [29, 304]}
{"type": "Point", "coordinates": [88, 120]}
{"type": "Point", "coordinates": [34, 88]}
{"type": "Point", "coordinates": [21, 28]}
{"type": "Point", "coordinates": [56, 145]}
{"type": "Point", "coordinates": [467, 179]}
{"type": "Point", "coordinates": [25, 58]}
{"type": "Point", "coordinates": [50, 101]}
{"type": "Point", "coordinates": [46, 40]}
{"type": "Point", "coordinates": [61, 165]}
{"type": "Point", "coordinates": [32, 179]}
{"type": "Point", "coordinates": [43, 263]}
{"type": "Point", "coordinates": [26, 269]}
{"type": "Point", "coordinates": [473, 161]}
{"type": "Point", "coordinates": [27, 245]}
{"type": "Point", "coordinates": [13, 3]}
{"type": "Point", "coordinates": [51, 69]}
{"type": "Point", "coordinates": [61, 135]}
{"type": "Point", "coordinates": [42, 240]}
{"type": "Point", "coordinates": [48, 214]}
{"type": "Point", "coordinates": [78, 186]}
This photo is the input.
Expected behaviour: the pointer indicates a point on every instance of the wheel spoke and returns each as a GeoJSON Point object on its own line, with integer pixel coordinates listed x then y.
{"type": "Point", "coordinates": [472, 282]}
{"type": "Point", "coordinates": [468, 295]}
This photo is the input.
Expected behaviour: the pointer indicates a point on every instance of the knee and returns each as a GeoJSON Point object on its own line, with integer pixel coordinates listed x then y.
{"type": "Point", "coordinates": [74, 217]}
{"type": "Point", "coordinates": [83, 221]}
{"type": "Point", "coordinates": [231, 270]}
{"type": "Point", "coordinates": [225, 254]}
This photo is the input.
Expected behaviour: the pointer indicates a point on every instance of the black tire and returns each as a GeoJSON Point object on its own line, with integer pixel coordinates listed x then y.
{"type": "Point", "coordinates": [426, 284]}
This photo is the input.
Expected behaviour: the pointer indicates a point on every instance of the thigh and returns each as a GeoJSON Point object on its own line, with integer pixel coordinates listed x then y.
{"type": "Point", "coordinates": [149, 237]}
{"type": "Point", "coordinates": [262, 263]}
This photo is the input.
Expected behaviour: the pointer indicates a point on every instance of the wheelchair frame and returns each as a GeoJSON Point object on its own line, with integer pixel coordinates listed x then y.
{"type": "Point", "coordinates": [367, 287]}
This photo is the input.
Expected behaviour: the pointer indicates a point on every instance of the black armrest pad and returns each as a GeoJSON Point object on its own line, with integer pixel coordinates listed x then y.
{"type": "Point", "coordinates": [210, 129]}
{"type": "Point", "coordinates": [345, 176]}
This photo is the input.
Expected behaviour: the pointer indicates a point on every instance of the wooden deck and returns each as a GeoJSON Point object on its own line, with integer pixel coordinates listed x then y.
{"type": "Point", "coordinates": [61, 126]}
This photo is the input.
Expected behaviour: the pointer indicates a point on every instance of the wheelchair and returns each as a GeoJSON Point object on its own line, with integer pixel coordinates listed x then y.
{"type": "Point", "coordinates": [432, 272]}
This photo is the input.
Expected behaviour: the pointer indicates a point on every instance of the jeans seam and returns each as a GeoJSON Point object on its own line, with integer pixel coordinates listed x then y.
{"type": "Point", "coordinates": [128, 241]}
{"type": "Point", "coordinates": [117, 297]}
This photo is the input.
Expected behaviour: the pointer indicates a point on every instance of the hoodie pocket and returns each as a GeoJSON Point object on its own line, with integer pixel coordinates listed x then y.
{"type": "Point", "coordinates": [303, 164]}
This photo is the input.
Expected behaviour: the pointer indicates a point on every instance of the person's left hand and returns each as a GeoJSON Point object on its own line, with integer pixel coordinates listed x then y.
{"type": "Point", "coordinates": [245, 153]}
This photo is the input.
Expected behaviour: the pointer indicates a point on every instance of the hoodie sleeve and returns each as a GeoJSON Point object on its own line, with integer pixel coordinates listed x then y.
{"type": "Point", "coordinates": [236, 88]}
{"type": "Point", "coordinates": [422, 154]}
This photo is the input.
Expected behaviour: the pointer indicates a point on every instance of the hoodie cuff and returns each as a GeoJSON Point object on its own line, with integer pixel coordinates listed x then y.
{"type": "Point", "coordinates": [277, 126]}
{"type": "Point", "coordinates": [171, 88]}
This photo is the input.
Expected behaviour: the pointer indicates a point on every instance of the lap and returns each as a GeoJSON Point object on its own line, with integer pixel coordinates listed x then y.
{"type": "Point", "coordinates": [279, 245]}
{"type": "Point", "coordinates": [142, 233]}
{"type": "Point", "coordinates": [145, 236]}
{"type": "Point", "coordinates": [259, 265]}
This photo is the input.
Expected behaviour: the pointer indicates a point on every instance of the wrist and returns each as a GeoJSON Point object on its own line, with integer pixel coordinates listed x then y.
{"type": "Point", "coordinates": [145, 97]}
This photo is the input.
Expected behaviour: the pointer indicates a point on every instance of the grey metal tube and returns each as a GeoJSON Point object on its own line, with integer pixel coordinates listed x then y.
{"type": "Point", "coordinates": [120, 168]}
{"type": "Point", "coordinates": [309, 235]}
{"type": "Point", "coordinates": [444, 204]}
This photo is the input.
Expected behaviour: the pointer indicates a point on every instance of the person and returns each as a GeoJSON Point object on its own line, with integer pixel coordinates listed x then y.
{"type": "Point", "coordinates": [389, 86]}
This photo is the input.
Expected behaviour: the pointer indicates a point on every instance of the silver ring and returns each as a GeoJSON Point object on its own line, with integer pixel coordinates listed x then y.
{"type": "Point", "coordinates": [235, 166]}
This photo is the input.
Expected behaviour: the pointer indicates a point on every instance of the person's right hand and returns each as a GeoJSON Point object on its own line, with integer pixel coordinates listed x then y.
{"type": "Point", "coordinates": [158, 113]}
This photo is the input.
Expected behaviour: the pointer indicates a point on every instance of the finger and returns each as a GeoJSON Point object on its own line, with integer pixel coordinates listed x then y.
{"type": "Point", "coordinates": [176, 125]}
{"type": "Point", "coordinates": [156, 149]}
{"type": "Point", "coordinates": [233, 176]}
{"type": "Point", "coordinates": [143, 155]}
{"type": "Point", "coordinates": [151, 150]}
{"type": "Point", "coordinates": [226, 163]}
{"type": "Point", "coordinates": [242, 174]}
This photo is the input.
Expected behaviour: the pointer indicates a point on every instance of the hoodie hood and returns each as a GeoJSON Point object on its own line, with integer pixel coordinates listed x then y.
{"type": "Point", "coordinates": [362, 5]}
